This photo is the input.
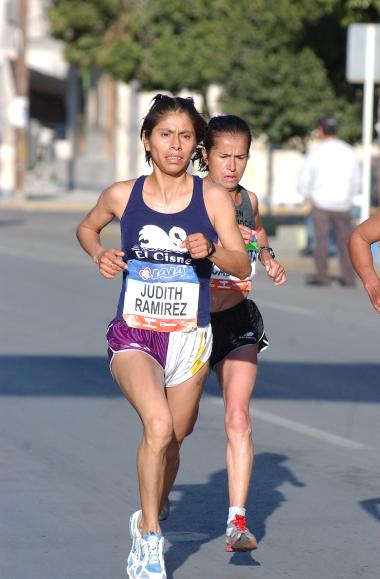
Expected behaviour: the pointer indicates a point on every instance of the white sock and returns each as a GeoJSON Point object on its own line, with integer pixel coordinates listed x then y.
{"type": "Point", "coordinates": [232, 511]}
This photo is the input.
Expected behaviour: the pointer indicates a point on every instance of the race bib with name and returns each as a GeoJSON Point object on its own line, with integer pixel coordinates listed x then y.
{"type": "Point", "coordinates": [161, 297]}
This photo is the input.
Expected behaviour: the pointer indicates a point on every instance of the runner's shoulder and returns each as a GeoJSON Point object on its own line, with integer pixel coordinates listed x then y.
{"type": "Point", "coordinates": [254, 200]}
{"type": "Point", "coordinates": [117, 195]}
{"type": "Point", "coordinates": [119, 189]}
{"type": "Point", "coordinates": [214, 193]}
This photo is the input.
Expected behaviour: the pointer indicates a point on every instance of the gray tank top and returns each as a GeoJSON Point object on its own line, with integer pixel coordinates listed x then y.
{"type": "Point", "coordinates": [244, 211]}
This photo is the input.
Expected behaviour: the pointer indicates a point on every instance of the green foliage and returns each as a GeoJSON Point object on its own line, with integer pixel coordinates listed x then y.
{"type": "Point", "coordinates": [292, 93]}
{"type": "Point", "coordinates": [289, 67]}
{"type": "Point", "coordinates": [359, 10]}
{"type": "Point", "coordinates": [100, 33]}
{"type": "Point", "coordinates": [188, 44]}
{"type": "Point", "coordinates": [280, 63]}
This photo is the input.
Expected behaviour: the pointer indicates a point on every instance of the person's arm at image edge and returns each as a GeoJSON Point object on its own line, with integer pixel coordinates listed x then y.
{"type": "Point", "coordinates": [359, 246]}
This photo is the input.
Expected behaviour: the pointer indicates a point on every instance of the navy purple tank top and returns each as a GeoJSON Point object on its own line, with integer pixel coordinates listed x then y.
{"type": "Point", "coordinates": [164, 288]}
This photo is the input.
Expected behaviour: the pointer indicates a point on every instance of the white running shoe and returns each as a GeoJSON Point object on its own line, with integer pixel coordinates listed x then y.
{"type": "Point", "coordinates": [239, 537]}
{"type": "Point", "coordinates": [150, 560]}
{"type": "Point", "coordinates": [136, 537]}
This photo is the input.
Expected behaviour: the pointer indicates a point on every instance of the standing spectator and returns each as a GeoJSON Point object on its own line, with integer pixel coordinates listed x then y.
{"type": "Point", "coordinates": [329, 179]}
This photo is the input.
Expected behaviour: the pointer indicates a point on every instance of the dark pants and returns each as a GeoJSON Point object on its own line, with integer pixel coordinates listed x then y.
{"type": "Point", "coordinates": [340, 222]}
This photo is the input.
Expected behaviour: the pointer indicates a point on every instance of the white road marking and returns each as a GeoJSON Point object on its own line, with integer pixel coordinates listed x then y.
{"type": "Point", "coordinates": [302, 428]}
{"type": "Point", "coordinates": [308, 430]}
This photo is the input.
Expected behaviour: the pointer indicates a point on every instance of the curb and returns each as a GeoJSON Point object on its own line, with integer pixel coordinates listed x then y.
{"type": "Point", "coordinates": [48, 206]}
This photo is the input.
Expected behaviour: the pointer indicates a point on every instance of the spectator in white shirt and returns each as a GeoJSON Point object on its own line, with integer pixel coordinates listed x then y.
{"type": "Point", "coordinates": [329, 179]}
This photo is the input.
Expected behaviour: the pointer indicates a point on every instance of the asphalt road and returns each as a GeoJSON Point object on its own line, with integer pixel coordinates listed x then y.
{"type": "Point", "coordinates": [68, 438]}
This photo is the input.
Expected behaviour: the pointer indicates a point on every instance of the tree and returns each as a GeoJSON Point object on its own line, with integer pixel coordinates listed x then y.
{"type": "Point", "coordinates": [189, 46]}
{"type": "Point", "coordinates": [280, 63]}
{"type": "Point", "coordinates": [105, 34]}
{"type": "Point", "coordinates": [289, 67]}
{"type": "Point", "coordinates": [359, 10]}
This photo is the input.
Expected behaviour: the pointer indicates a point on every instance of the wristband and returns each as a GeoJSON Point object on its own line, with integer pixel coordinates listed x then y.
{"type": "Point", "coordinates": [271, 252]}
{"type": "Point", "coordinates": [211, 248]}
{"type": "Point", "coordinates": [252, 245]}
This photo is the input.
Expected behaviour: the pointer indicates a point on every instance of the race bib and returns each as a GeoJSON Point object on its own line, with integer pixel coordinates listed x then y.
{"type": "Point", "coordinates": [161, 297]}
{"type": "Point", "coordinates": [224, 281]}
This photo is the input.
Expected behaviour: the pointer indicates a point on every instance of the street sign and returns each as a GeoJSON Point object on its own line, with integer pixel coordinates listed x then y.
{"type": "Point", "coordinates": [18, 112]}
{"type": "Point", "coordinates": [356, 52]}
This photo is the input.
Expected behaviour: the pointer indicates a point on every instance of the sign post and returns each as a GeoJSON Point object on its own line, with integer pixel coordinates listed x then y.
{"type": "Point", "coordinates": [363, 66]}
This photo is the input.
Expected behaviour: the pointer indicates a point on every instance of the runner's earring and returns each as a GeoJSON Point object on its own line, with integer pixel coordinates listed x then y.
{"type": "Point", "coordinates": [204, 155]}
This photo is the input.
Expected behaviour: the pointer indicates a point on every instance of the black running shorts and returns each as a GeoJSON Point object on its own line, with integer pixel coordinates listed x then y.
{"type": "Point", "coordinates": [236, 328]}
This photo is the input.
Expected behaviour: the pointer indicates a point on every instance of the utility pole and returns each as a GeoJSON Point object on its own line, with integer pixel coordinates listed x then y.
{"type": "Point", "coordinates": [72, 96]}
{"type": "Point", "coordinates": [21, 99]}
{"type": "Point", "coordinates": [110, 118]}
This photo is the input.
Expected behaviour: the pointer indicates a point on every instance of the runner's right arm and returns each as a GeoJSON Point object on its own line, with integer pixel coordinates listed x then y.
{"type": "Point", "coordinates": [109, 205]}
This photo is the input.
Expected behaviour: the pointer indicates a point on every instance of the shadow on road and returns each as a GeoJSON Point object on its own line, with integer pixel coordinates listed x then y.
{"type": "Point", "coordinates": [56, 376]}
{"type": "Point", "coordinates": [372, 506]}
{"type": "Point", "coordinates": [90, 376]}
{"type": "Point", "coordinates": [202, 509]}
{"type": "Point", "coordinates": [313, 381]}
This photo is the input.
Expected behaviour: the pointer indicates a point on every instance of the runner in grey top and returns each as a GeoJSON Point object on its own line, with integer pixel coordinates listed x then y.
{"type": "Point", "coordinates": [237, 324]}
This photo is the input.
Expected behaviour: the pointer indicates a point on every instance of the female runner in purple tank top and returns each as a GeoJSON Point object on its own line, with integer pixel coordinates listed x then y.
{"type": "Point", "coordinates": [237, 324]}
{"type": "Point", "coordinates": [160, 340]}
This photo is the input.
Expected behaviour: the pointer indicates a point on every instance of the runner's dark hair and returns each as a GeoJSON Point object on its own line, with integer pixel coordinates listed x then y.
{"type": "Point", "coordinates": [231, 124]}
{"type": "Point", "coordinates": [163, 104]}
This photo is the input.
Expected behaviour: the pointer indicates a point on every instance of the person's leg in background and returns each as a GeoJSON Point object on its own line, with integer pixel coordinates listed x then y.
{"type": "Point", "coordinates": [321, 221]}
{"type": "Point", "coordinates": [310, 239]}
{"type": "Point", "coordinates": [342, 228]}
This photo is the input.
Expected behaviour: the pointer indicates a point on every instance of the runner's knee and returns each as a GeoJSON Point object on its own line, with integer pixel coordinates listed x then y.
{"type": "Point", "coordinates": [237, 423]}
{"type": "Point", "coordinates": [158, 433]}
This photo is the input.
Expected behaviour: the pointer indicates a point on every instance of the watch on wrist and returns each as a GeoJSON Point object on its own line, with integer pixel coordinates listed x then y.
{"type": "Point", "coordinates": [211, 248]}
{"type": "Point", "coordinates": [270, 251]}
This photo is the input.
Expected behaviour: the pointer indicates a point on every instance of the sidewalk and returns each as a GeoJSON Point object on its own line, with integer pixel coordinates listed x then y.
{"type": "Point", "coordinates": [78, 200]}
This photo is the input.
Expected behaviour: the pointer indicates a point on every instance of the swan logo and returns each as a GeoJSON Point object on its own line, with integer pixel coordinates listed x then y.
{"type": "Point", "coordinates": [153, 237]}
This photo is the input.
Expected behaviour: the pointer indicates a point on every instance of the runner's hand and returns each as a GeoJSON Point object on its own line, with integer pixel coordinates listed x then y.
{"type": "Point", "coordinates": [275, 270]}
{"type": "Point", "coordinates": [247, 233]}
{"type": "Point", "coordinates": [109, 262]}
{"type": "Point", "coordinates": [197, 245]}
{"type": "Point", "coordinates": [373, 292]}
